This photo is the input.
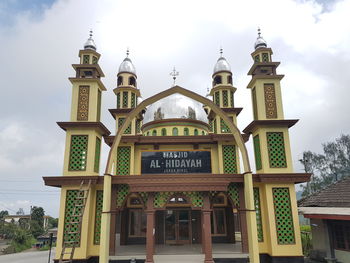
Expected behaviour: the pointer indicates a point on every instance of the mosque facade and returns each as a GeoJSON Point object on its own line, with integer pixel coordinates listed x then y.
{"type": "Point", "coordinates": [178, 178]}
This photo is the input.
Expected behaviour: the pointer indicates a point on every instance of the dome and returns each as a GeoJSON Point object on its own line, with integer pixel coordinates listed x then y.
{"type": "Point", "coordinates": [222, 65]}
{"type": "Point", "coordinates": [90, 43]}
{"type": "Point", "coordinates": [260, 42]}
{"type": "Point", "coordinates": [175, 106]}
{"type": "Point", "coordinates": [127, 66]}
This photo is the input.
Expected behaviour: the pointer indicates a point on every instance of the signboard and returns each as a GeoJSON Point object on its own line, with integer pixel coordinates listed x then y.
{"type": "Point", "coordinates": [175, 162]}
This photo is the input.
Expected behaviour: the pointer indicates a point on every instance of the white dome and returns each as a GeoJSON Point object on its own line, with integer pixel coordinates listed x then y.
{"type": "Point", "coordinates": [260, 42]}
{"type": "Point", "coordinates": [222, 65]}
{"type": "Point", "coordinates": [127, 66]}
{"type": "Point", "coordinates": [175, 106]}
{"type": "Point", "coordinates": [90, 43]}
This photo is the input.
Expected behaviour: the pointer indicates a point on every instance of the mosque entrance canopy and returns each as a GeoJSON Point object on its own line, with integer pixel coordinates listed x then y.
{"type": "Point", "coordinates": [175, 162]}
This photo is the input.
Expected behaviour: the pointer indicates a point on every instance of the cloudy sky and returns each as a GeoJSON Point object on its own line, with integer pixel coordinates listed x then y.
{"type": "Point", "coordinates": [41, 39]}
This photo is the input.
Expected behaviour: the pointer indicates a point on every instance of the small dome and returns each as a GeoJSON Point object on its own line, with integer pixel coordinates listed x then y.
{"type": "Point", "coordinates": [90, 43]}
{"type": "Point", "coordinates": [222, 65]}
{"type": "Point", "coordinates": [127, 66]}
{"type": "Point", "coordinates": [175, 106]}
{"type": "Point", "coordinates": [260, 42]}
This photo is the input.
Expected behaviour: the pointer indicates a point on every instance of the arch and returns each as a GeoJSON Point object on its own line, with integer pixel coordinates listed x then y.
{"type": "Point", "coordinates": [175, 131]}
{"type": "Point", "coordinates": [154, 133]}
{"type": "Point", "coordinates": [229, 79]}
{"type": "Point", "coordinates": [163, 132]}
{"type": "Point", "coordinates": [186, 132]}
{"type": "Point", "coordinates": [195, 132]}
{"type": "Point", "coordinates": [177, 89]}
{"type": "Point", "coordinates": [120, 81]}
{"type": "Point", "coordinates": [132, 81]}
{"type": "Point", "coordinates": [217, 80]}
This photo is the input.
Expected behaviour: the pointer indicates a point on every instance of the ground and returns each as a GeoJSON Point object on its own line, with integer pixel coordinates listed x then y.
{"type": "Point", "coordinates": [27, 257]}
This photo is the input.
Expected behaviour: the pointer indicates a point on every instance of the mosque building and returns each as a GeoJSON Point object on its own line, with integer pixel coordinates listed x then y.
{"type": "Point", "coordinates": [178, 179]}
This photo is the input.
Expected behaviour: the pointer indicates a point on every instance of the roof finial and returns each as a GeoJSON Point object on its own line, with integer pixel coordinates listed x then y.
{"type": "Point", "coordinates": [90, 44]}
{"type": "Point", "coordinates": [127, 52]}
{"type": "Point", "coordinates": [260, 42]}
{"type": "Point", "coordinates": [259, 32]}
{"type": "Point", "coordinates": [90, 33]}
{"type": "Point", "coordinates": [221, 51]}
{"type": "Point", "coordinates": [174, 74]}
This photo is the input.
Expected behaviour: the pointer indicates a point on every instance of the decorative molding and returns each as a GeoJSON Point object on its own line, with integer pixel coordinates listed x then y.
{"type": "Point", "coordinates": [83, 103]}
{"type": "Point", "coordinates": [270, 101]}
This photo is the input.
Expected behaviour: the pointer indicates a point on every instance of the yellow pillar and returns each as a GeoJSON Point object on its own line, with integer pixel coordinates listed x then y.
{"type": "Point", "coordinates": [105, 219]}
{"type": "Point", "coordinates": [253, 245]}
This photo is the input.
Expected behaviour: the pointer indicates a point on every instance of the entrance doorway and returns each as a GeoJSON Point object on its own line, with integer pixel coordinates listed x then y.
{"type": "Point", "coordinates": [177, 227]}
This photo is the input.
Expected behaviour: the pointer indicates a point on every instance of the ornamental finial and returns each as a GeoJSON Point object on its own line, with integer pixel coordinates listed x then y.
{"type": "Point", "coordinates": [174, 74]}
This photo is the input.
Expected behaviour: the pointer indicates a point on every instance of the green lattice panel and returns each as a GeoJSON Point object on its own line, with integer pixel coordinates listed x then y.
{"type": "Point", "coordinates": [233, 193]}
{"type": "Point", "coordinates": [196, 198]}
{"type": "Point", "coordinates": [70, 218]}
{"type": "Point", "coordinates": [231, 99]}
{"type": "Point", "coordinates": [229, 159]}
{"type": "Point", "coordinates": [94, 60]}
{"type": "Point", "coordinates": [123, 160]}
{"type": "Point", "coordinates": [120, 124]}
{"type": "Point", "coordinates": [223, 126]}
{"type": "Point", "coordinates": [277, 154]}
{"type": "Point", "coordinates": [265, 57]}
{"type": "Point", "coordinates": [97, 155]}
{"type": "Point", "coordinates": [161, 198]}
{"type": "Point", "coordinates": [258, 214]}
{"type": "Point", "coordinates": [217, 98]}
{"type": "Point", "coordinates": [225, 98]}
{"type": "Point", "coordinates": [118, 100]}
{"type": "Point", "coordinates": [133, 100]}
{"type": "Point", "coordinates": [125, 99]}
{"type": "Point", "coordinates": [98, 214]}
{"type": "Point", "coordinates": [257, 152]}
{"type": "Point", "coordinates": [86, 59]}
{"type": "Point", "coordinates": [283, 216]}
{"type": "Point", "coordinates": [78, 152]}
{"type": "Point", "coordinates": [215, 126]}
{"type": "Point", "coordinates": [99, 98]}
{"type": "Point", "coordinates": [257, 58]}
{"type": "Point", "coordinates": [211, 125]}
{"type": "Point", "coordinates": [138, 126]}
{"type": "Point", "coordinates": [123, 191]}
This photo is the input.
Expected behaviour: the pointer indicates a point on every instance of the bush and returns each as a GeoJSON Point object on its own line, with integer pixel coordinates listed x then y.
{"type": "Point", "coordinates": [306, 237]}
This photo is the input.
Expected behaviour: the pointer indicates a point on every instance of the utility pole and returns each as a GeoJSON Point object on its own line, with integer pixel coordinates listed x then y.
{"type": "Point", "coordinates": [305, 161]}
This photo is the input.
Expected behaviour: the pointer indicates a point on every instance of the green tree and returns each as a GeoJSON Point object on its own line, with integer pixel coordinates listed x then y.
{"type": "Point", "coordinates": [329, 167]}
{"type": "Point", "coordinates": [37, 214]}
{"type": "Point", "coordinates": [3, 213]}
{"type": "Point", "coordinates": [36, 229]}
{"type": "Point", "coordinates": [53, 222]}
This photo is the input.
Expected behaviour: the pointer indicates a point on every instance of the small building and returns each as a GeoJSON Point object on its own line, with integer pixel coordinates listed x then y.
{"type": "Point", "coordinates": [16, 219]}
{"type": "Point", "coordinates": [329, 214]}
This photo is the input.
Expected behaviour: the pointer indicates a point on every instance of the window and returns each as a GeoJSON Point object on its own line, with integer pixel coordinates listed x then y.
{"type": "Point", "coordinates": [163, 132]}
{"type": "Point", "coordinates": [87, 74]}
{"type": "Point", "coordinates": [86, 59]}
{"type": "Point", "coordinates": [265, 57]}
{"type": "Point", "coordinates": [148, 133]}
{"type": "Point", "coordinates": [132, 81]}
{"type": "Point", "coordinates": [195, 132]}
{"type": "Point", "coordinates": [154, 133]}
{"type": "Point", "coordinates": [341, 234]}
{"type": "Point", "coordinates": [257, 58]}
{"type": "Point", "coordinates": [137, 223]}
{"type": "Point", "coordinates": [218, 225]}
{"type": "Point", "coordinates": [203, 133]}
{"type": "Point", "coordinates": [175, 131]}
{"type": "Point", "coordinates": [94, 60]}
{"type": "Point", "coordinates": [217, 80]}
{"type": "Point", "coordinates": [177, 200]}
{"type": "Point", "coordinates": [125, 99]}
{"type": "Point", "coordinates": [229, 79]}
{"type": "Point", "coordinates": [120, 81]}
{"type": "Point", "coordinates": [186, 132]}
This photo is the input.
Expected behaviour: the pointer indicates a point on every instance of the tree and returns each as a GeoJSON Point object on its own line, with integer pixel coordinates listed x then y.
{"type": "Point", "coordinates": [53, 222]}
{"type": "Point", "coordinates": [20, 211]}
{"type": "Point", "coordinates": [329, 167]}
{"type": "Point", "coordinates": [3, 213]}
{"type": "Point", "coordinates": [37, 214]}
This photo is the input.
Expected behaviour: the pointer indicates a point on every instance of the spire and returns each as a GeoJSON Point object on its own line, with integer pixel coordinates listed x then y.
{"type": "Point", "coordinates": [260, 42]}
{"type": "Point", "coordinates": [90, 43]}
{"type": "Point", "coordinates": [221, 51]}
{"type": "Point", "coordinates": [174, 74]}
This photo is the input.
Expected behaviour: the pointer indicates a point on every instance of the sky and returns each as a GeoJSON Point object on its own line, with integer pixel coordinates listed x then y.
{"type": "Point", "coordinates": [41, 39]}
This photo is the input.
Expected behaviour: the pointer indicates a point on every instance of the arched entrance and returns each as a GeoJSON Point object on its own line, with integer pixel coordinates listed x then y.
{"type": "Point", "coordinates": [206, 209]}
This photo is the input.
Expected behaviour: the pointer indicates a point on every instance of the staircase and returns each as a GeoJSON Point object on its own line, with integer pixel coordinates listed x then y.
{"type": "Point", "coordinates": [74, 227]}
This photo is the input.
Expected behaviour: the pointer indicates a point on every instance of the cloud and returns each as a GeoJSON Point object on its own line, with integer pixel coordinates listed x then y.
{"type": "Point", "coordinates": [40, 43]}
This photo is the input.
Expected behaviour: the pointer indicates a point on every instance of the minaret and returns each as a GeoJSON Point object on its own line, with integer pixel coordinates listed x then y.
{"type": "Point", "coordinates": [127, 95]}
{"type": "Point", "coordinates": [84, 130]}
{"type": "Point", "coordinates": [269, 128]}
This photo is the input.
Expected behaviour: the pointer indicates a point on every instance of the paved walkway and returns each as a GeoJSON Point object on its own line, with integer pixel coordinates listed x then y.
{"type": "Point", "coordinates": [28, 257]}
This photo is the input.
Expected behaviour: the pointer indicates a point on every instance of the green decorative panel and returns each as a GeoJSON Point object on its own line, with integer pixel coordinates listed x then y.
{"type": "Point", "coordinates": [258, 214]}
{"type": "Point", "coordinates": [223, 126]}
{"type": "Point", "coordinates": [133, 100]}
{"type": "Point", "coordinates": [231, 99]}
{"type": "Point", "coordinates": [233, 193]}
{"type": "Point", "coordinates": [86, 59]}
{"type": "Point", "coordinates": [257, 152]}
{"type": "Point", "coordinates": [97, 155]}
{"type": "Point", "coordinates": [71, 220]}
{"type": "Point", "coordinates": [196, 198]}
{"type": "Point", "coordinates": [94, 60]}
{"type": "Point", "coordinates": [98, 214]}
{"type": "Point", "coordinates": [225, 98]}
{"type": "Point", "coordinates": [283, 216]}
{"type": "Point", "coordinates": [120, 124]}
{"type": "Point", "coordinates": [215, 126]}
{"type": "Point", "coordinates": [255, 105]}
{"type": "Point", "coordinates": [161, 198]}
{"type": "Point", "coordinates": [229, 159]}
{"type": "Point", "coordinates": [99, 98]}
{"type": "Point", "coordinates": [118, 100]}
{"type": "Point", "coordinates": [138, 126]}
{"type": "Point", "coordinates": [211, 125]}
{"type": "Point", "coordinates": [265, 57]}
{"type": "Point", "coordinates": [78, 152]}
{"type": "Point", "coordinates": [277, 154]}
{"type": "Point", "coordinates": [123, 160]}
{"type": "Point", "coordinates": [125, 99]}
{"type": "Point", "coordinates": [257, 58]}
{"type": "Point", "coordinates": [217, 98]}
{"type": "Point", "coordinates": [123, 191]}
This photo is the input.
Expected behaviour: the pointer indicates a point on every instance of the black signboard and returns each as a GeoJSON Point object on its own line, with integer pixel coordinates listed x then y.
{"type": "Point", "coordinates": [175, 162]}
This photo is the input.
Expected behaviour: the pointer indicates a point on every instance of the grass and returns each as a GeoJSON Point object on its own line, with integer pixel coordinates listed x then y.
{"type": "Point", "coordinates": [16, 247]}
{"type": "Point", "coordinates": [47, 247]}
{"type": "Point", "coordinates": [306, 238]}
